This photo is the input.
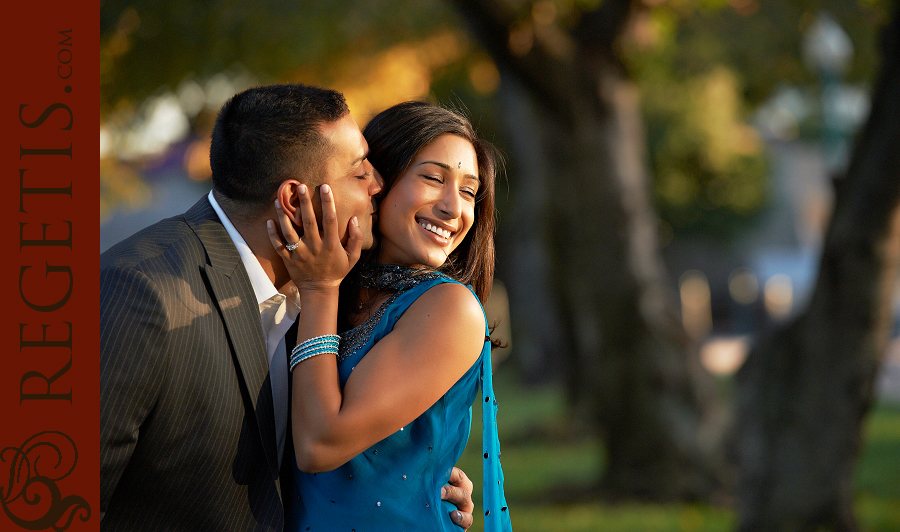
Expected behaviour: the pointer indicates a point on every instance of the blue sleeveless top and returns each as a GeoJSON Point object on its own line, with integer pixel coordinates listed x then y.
{"type": "Point", "coordinates": [395, 485]}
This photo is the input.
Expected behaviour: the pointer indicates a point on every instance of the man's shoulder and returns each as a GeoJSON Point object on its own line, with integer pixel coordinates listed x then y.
{"type": "Point", "coordinates": [149, 242]}
{"type": "Point", "coordinates": [175, 237]}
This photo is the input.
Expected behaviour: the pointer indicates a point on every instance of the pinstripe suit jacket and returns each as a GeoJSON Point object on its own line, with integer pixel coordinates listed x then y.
{"type": "Point", "coordinates": [187, 436]}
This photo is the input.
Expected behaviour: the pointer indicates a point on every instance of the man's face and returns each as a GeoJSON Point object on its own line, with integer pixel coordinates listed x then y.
{"type": "Point", "coordinates": [351, 177]}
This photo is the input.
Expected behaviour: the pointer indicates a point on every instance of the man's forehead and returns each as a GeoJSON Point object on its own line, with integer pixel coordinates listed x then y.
{"type": "Point", "coordinates": [347, 145]}
{"type": "Point", "coordinates": [347, 159]}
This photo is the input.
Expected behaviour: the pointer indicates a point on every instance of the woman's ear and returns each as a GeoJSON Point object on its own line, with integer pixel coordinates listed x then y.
{"type": "Point", "coordinates": [290, 202]}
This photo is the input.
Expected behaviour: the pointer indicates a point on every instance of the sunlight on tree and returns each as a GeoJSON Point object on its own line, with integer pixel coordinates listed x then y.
{"type": "Point", "coordinates": [402, 72]}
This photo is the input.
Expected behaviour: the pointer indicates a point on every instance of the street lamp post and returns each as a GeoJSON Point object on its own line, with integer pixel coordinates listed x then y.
{"type": "Point", "coordinates": [828, 51]}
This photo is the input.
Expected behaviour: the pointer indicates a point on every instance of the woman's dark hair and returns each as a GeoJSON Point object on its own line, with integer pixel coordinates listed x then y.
{"type": "Point", "coordinates": [397, 134]}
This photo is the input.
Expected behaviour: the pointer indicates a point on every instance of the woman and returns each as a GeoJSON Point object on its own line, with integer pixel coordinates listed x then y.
{"type": "Point", "coordinates": [378, 427]}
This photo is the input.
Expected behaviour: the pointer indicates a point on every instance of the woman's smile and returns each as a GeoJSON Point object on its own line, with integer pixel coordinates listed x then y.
{"type": "Point", "coordinates": [431, 206]}
{"type": "Point", "coordinates": [440, 232]}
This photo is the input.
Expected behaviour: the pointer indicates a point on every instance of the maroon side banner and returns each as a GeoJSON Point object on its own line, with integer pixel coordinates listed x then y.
{"type": "Point", "coordinates": [49, 293]}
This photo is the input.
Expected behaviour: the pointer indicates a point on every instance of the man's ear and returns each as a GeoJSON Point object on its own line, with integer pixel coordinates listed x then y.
{"type": "Point", "coordinates": [290, 202]}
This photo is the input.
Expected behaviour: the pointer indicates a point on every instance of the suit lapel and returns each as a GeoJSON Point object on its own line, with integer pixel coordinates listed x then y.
{"type": "Point", "coordinates": [233, 294]}
{"type": "Point", "coordinates": [286, 478]}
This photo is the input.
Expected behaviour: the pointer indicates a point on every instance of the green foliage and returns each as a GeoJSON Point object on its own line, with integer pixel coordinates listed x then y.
{"type": "Point", "coordinates": [702, 66]}
{"type": "Point", "coordinates": [878, 491]}
{"type": "Point", "coordinates": [550, 467]}
{"type": "Point", "coordinates": [598, 517]}
{"type": "Point", "coordinates": [707, 162]}
{"type": "Point", "coordinates": [158, 43]}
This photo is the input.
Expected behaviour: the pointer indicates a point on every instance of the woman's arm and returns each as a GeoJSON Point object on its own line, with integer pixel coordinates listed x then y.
{"type": "Point", "coordinates": [431, 347]}
{"type": "Point", "coordinates": [435, 342]}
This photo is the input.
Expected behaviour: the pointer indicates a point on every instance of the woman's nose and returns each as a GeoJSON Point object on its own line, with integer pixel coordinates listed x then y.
{"type": "Point", "coordinates": [451, 204]}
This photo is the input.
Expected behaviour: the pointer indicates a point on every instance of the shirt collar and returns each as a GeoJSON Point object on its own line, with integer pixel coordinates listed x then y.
{"type": "Point", "coordinates": [263, 288]}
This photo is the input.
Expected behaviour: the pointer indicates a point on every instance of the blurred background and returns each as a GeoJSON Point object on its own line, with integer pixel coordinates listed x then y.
{"type": "Point", "coordinates": [698, 247]}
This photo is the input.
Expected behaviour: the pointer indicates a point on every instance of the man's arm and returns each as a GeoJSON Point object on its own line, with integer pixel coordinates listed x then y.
{"type": "Point", "coordinates": [132, 334]}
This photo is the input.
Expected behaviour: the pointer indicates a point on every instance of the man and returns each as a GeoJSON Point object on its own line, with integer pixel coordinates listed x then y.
{"type": "Point", "coordinates": [193, 314]}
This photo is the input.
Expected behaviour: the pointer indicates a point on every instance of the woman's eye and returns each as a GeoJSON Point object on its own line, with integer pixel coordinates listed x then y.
{"type": "Point", "coordinates": [433, 178]}
{"type": "Point", "coordinates": [469, 192]}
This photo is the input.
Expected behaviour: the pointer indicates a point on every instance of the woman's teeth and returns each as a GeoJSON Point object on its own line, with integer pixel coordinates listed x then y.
{"type": "Point", "coordinates": [436, 230]}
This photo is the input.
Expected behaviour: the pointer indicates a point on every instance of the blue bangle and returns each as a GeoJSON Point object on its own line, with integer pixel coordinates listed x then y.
{"type": "Point", "coordinates": [327, 343]}
{"type": "Point", "coordinates": [314, 342]}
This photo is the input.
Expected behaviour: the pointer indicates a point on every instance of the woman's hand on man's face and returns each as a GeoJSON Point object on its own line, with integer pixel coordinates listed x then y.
{"type": "Point", "coordinates": [314, 261]}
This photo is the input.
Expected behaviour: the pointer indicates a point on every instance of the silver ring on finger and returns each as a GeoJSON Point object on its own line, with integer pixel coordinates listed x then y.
{"type": "Point", "coordinates": [292, 247]}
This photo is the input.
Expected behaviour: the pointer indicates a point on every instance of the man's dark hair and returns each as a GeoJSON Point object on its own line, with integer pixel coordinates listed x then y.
{"type": "Point", "coordinates": [267, 134]}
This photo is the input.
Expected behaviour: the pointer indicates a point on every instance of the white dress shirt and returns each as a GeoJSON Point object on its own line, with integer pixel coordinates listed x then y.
{"type": "Point", "coordinates": [277, 312]}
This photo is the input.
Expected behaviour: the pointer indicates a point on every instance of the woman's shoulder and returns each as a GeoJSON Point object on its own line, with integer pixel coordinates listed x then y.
{"type": "Point", "coordinates": [447, 322]}
{"type": "Point", "coordinates": [450, 301]}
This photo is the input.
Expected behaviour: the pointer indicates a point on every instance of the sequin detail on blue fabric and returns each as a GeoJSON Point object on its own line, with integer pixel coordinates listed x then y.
{"type": "Point", "coordinates": [433, 442]}
{"type": "Point", "coordinates": [354, 339]}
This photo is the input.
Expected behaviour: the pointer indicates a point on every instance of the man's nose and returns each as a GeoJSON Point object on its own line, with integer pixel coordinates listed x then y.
{"type": "Point", "coordinates": [377, 182]}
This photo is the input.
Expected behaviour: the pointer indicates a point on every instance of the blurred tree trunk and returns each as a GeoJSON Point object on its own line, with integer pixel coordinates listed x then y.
{"type": "Point", "coordinates": [573, 119]}
{"type": "Point", "coordinates": [525, 258]}
{"type": "Point", "coordinates": [804, 393]}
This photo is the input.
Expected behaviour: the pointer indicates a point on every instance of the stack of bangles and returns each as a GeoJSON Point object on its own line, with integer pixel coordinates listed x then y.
{"type": "Point", "coordinates": [319, 345]}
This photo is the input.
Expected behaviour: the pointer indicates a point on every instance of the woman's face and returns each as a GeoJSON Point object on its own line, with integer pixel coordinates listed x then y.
{"type": "Point", "coordinates": [431, 206]}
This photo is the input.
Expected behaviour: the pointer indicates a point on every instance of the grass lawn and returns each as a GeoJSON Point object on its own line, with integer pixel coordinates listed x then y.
{"type": "Point", "coordinates": [545, 470]}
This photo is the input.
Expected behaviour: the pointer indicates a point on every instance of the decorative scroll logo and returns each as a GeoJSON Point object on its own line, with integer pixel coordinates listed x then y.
{"type": "Point", "coordinates": [32, 499]}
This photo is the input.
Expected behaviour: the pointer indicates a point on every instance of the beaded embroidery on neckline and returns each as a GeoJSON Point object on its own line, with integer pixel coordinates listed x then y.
{"type": "Point", "coordinates": [381, 277]}
{"type": "Point", "coordinates": [393, 277]}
